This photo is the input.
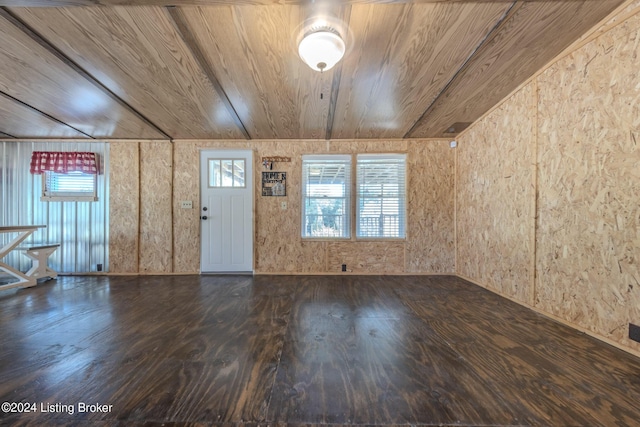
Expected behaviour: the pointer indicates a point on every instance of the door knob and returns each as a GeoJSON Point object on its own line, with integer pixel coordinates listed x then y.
{"type": "Point", "coordinates": [203, 217]}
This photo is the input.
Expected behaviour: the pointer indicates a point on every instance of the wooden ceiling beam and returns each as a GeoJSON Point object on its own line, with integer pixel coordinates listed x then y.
{"type": "Point", "coordinates": [19, 119]}
{"type": "Point", "coordinates": [11, 99]}
{"type": "Point", "coordinates": [187, 36]}
{"type": "Point", "coordinates": [531, 36]}
{"type": "Point", "coordinates": [17, 22]}
{"type": "Point", "coordinates": [335, 83]}
{"type": "Point", "coordinates": [476, 52]}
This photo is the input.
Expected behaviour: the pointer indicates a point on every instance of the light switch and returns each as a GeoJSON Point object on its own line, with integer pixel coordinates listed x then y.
{"type": "Point", "coordinates": [187, 204]}
{"type": "Point", "coordinates": [283, 206]}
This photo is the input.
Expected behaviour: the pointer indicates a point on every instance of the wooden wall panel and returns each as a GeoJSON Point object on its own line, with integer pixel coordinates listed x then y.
{"type": "Point", "coordinates": [156, 171]}
{"type": "Point", "coordinates": [186, 222]}
{"type": "Point", "coordinates": [124, 213]}
{"type": "Point", "coordinates": [494, 191]}
{"type": "Point", "coordinates": [36, 76]}
{"type": "Point", "coordinates": [138, 54]}
{"type": "Point", "coordinates": [589, 184]}
{"type": "Point", "coordinates": [534, 34]}
{"type": "Point", "coordinates": [279, 247]}
{"type": "Point", "coordinates": [276, 94]}
{"type": "Point", "coordinates": [398, 62]}
{"type": "Point", "coordinates": [366, 257]}
{"type": "Point", "coordinates": [19, 121]}
{"type": "Point", "coordinates": [231, 71]}
{"type": "Point", "coordinates": [51, 3]}
{"type": "Point", "coordinates": [367, 146]}
{"type": "Point", "coordinates": [430, 196]}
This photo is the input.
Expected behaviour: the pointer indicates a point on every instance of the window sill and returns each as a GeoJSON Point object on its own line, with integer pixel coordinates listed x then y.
{"type": "Point", "coordinates": [68, 199]}
{"type": "Point", "coordinates": [381, 239]}
{"type": "Point", "coordinates": [354, 240]}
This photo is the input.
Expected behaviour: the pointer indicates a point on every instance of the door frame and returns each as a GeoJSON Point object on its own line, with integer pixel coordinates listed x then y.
{"type": "Point", "coordinates": [222, 152]}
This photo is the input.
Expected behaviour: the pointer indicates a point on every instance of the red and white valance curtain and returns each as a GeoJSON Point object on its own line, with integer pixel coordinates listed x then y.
{"type": "Point", "coordinates": [63, 162]}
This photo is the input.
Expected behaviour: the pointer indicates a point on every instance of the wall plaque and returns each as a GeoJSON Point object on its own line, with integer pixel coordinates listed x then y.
{"type": "Point", "coordinates": [274, 183]}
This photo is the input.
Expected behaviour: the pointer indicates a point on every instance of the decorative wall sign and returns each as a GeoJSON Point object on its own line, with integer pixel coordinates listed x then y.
{"type": "Point", "coordinates": [274, 184]}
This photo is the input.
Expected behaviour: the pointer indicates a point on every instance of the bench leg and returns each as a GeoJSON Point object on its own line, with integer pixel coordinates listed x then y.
{"type": "Point", "coordinates": [39, 267]}
{"type": "Point", "coordinates": [24, 281]}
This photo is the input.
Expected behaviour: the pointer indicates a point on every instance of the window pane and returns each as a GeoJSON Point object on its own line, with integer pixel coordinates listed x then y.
{"type": "Point", "coordinates": [238, 173]}
{"type": "Point", "coordinates": [326, 194]}
{"type": "Point", "coordinates": [381, 196]}
{"type": "Point", "coordinates": [214, 173]}
{"type": "Point", "coordinates": [70, 185]}
{"type": "Point", "coordinates": [73, 182]}
{"type": "Point", "coordinates": [325, 217]}
{"type": "Point", "coordinates": [227, 173]}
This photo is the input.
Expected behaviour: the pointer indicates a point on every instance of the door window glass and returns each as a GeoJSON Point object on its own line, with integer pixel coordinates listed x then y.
{"type": "Point", "coordinates": [226, 173]}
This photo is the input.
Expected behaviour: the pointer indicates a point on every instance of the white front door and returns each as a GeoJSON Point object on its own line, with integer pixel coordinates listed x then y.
{"type": "Point", "coordinates": [226, 210]}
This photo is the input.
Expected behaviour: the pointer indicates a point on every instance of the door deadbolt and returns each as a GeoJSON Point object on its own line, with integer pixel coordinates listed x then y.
{"type": "Point", "coordinates": [204, 209]}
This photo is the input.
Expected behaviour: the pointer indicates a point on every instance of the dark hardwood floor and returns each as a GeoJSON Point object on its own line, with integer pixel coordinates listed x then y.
{"type": "Point", "coordinates": [300, 350]}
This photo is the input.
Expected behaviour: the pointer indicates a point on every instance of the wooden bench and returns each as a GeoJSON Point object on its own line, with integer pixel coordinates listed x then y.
{"type": "Point", "coordinates": [39, 254]}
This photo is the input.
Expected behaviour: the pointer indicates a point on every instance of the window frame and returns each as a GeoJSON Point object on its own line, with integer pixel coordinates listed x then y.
{"type": "Point", "coordinates": [233, 181]}
{"type": "Point", "coordinates": [353, 204]}
{"type": "Point", "coordinates": [398, 158]}
{"type": "Point", "coordinates": [347, 198]}
{"type": "Point", "coordinates": [68, 196]}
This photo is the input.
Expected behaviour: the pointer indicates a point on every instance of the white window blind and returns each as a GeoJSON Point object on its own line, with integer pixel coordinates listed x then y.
{"type": "Point", "coordinates": [381, 195]}
{"type": "Point", "coordinates": [71, 186]}
{"type": "Point", "coordinates": [326, 196]}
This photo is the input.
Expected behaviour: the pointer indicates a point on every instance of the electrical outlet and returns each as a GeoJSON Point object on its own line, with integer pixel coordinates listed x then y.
{"type": "Point", "coordinates": [344, 267]}
{"type": "Point", "coordinates": [187, 204]}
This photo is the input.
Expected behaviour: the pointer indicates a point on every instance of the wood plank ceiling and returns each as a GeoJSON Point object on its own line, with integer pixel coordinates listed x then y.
{"type": "Point", "coordinates": [199, 69]}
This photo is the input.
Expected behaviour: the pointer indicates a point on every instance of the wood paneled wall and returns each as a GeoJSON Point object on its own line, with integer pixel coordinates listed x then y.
{"type": "Point", "coordinates": [124, 206]}
{"type": "Point", "coordinates": [578, 123]}
{"type": "Point", "coordinates": [494, 192]}
{"type": "Point", "coordinates": [541, 197]}
{"type": "Point", "coordinates": [167, 238]}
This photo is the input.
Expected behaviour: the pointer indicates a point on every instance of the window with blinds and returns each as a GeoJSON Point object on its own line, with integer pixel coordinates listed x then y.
{"type": "Point", "coordinates": [71, 186]}
{"type": "Point", "coordinates": [381, 207]}
{"type": "Point", "coordinates": [326, 196]}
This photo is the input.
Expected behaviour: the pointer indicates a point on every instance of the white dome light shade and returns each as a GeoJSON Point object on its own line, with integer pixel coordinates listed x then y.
{"type": "Point", "coordinates": [321, 50]}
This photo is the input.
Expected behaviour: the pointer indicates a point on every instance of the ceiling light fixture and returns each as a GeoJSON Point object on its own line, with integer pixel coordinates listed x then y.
{"type": "Point", "coordinates": [321, 49]}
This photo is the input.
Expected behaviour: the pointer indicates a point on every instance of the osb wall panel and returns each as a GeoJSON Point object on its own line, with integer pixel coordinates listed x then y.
{"type": "Point", "coordinates": [156, 171]}
{"type": "Point", "coordinates": [186, 222]}
{"type": "Point", "coordinates": [124, 192]}
{"type": "Point", "coordinates": [279, 247]}
{"type": "Point", "coordinates": [366, 257]}
{"type": "Point", "coordinates": [369, 146]}
{"type": "Point", "coordinates": [628, 9]}
{"type": "Point", "coordinates": [589, 184]}
{"type": "Point", "coordinates": [430, 198]}
{"type": "Point", "coordinates": [494, 212]}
